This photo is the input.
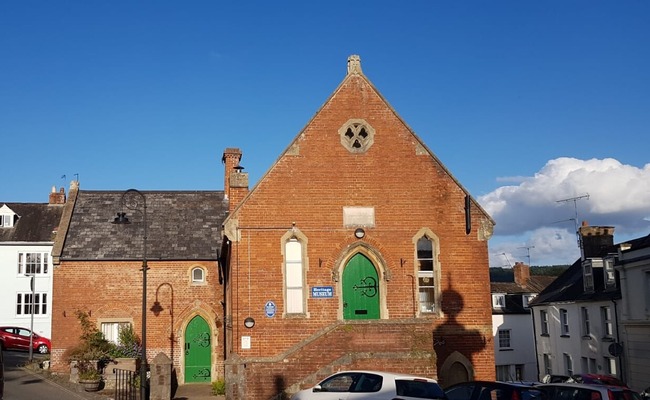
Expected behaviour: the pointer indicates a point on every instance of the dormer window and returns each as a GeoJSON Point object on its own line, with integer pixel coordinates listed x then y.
{"type": "Point", "coordinates": [588, 274]}
{"type": "Point", "coordinates": [526, 299]}
{"type": "Point", "coordinates": [7, 217]}
{"type": "Point", "coordinates": [608, 269]}
{"type": "Point", "coordinates": [498, 300]}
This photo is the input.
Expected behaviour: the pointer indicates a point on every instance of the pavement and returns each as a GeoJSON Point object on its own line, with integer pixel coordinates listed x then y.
{"type": "Point", "coordinates": [196, 391]}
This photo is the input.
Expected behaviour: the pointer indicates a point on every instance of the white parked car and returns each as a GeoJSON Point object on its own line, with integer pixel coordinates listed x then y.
{"type": "Point", "coordinates": [372, 385]}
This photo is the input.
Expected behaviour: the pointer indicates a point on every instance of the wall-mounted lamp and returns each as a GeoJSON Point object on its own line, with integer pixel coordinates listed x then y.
{"type": "Point", "coordinates": [359, 233]}
{"type": "Point", "coordinates": [249, 322]}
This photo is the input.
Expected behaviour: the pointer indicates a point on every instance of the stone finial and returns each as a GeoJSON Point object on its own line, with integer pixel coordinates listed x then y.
{"type": "Point", "coordinates": [354, 64]}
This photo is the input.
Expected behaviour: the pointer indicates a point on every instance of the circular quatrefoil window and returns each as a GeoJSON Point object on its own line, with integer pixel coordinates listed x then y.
{"type": "Point", "coordinates": [357, 135]}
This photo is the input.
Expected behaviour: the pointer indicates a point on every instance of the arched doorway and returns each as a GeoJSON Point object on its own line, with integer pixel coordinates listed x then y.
{"type": "Point", "coordinates": [198, 351]}
{"type": "Point", "coordinates": [360, 289]}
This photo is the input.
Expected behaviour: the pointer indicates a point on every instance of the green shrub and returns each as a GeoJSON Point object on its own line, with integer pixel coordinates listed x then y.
{"type": "Point", "coordinates": [219, 387]}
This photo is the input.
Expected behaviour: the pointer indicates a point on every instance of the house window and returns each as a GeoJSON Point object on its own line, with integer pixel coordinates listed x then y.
{"type": "Point", "coordinates": [588, 275]}
{"type": "Point", "coordinates": [33, 263]}
{"type": "Point", "coordinates": [294, 276]}
{"type": "Point", "coordinates": [111, 330]}
{"type": "Point", "coordinates": [498, 300]}
{"type": "Point", "coordinates": [6, 220]}
{"type": "Point", "coordinates": [592, 366]}
{"type": "Point", "coordinates": [568, 364]}
{"type": "Point", "coordinates": [564, 321]}
{"type": "Point", "coordinates": [610, 275]}
{"type": "Point", "coordinates": [585, 321]}
{"type": "Point", "coordinates": [357, 135]}
{"type": "Point", "coordinates": [504, 339]}
{"type": "Point", "coordinates": [24, 303]}
{"type": "Point", "coordinates": [526, 299]}
{"type": "Point", "coordinates": [543, 318]}
{"type": "Point", "coordinates": [547, 364]}
{"type": "Point", "coordinates": [606, 316]}
{"type": "Point", "coordinates": [503, 373]}
{"type": "Point", "coordinates": [426, 278]}
{"type": "Point", "coordinates": [198, 275]}
{"type": "Point", "coordinates": [610, 365]}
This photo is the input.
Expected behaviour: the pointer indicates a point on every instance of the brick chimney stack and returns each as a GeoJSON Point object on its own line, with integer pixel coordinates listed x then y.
{"type": "Point", "coordinates": [596, 241]}
{"type": "Point", "coordinates": [522, 273]}
{"type": "Point", "coordinates": [235, 180]}
{"type": "Point", "coordinates": [57, 198]}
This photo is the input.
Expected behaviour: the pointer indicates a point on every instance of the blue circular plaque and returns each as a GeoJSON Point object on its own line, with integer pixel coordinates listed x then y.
{"type": "Point", "coordinates": [270, 309]}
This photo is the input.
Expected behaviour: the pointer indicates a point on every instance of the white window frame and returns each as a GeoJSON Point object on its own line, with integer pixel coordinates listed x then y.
{"type": "Point", "coordinates": [610, 365]}
{"type": "Point", "coordinates": [586, 328]}
{"type": "Point", "coordinates": [197, 280]}
{"type": "Point", "coordinates": [588, 274]}
{"type": "Point", "coordinates": [610, 273]}
{"type": "Point", "coordinates": [564, 322]}
{"type": "Point", "coordinates": [6, 221]}
{"type": "Point", "coordinates": [28, 266]}
{"type": "Point", "coordinates": [498, 300]}
{"type": "Point", "coordinates": [427, 291]}
{"type": "Point", "coordinates": [505, 339]}
{"type": "Point", "coordinates": [568, 364]}
{"type": "Point", "coordinates": [294, 250]}
{"type": "Point", "coordinates": [24, 303]}
{"type": "Point", "coordinates": [527, 298]}
{"type": "Point", "coordinates": [608, 326]}
{"type": "Point", "coordinates": [111, 329]}
{"type": "Point", "coordinates": [543, 318]}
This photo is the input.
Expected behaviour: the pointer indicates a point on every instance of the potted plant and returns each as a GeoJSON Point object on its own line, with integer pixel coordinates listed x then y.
{"type": "Point", "coordinates": [90, 356]}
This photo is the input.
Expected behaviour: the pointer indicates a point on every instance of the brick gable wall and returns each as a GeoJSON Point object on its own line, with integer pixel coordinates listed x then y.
{"type": "Point", "coordinates": [309, 185]}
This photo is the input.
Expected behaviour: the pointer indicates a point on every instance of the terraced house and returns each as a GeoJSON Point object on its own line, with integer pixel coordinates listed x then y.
{"type": "Point", "coordinates": [356, 249]}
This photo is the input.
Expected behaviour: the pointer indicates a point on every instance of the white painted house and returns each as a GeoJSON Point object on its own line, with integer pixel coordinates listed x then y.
{"type": "Point", "coordinates": [575, 317]}
{"type": "Point", "coordinates": [512, 324]}
{"type": "Point", "coordinates": [27, 232]}
{"type": "Point", "coordinates": [633, 266]}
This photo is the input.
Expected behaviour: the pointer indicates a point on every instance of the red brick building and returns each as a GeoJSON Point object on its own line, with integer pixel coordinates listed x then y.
{"type": "Point", "coordinates": [357, 249]}
{"type": "Point", "coordinates": [98, 270]}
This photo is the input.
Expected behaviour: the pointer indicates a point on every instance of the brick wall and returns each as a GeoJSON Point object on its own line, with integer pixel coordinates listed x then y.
{"type": "Point", "coordinates": [309, 185]}
{"type": "Point", "coordinates": [113, 290]}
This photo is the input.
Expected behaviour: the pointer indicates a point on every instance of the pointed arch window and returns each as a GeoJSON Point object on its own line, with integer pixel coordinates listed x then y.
{"type": "Point", "coordinates": [426, 261]}
{"type": "Point", "coordinates": [294, 276]}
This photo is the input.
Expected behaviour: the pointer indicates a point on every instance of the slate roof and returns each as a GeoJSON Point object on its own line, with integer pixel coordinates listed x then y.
{"type": "Point", "coordinates": [181, 225]}
{"type": "Point", "coordinates": [37, 222]}
{"type": "Point", "coordinates": [513, 293]}
{"type": "Point", "coordinates": [569, 287]}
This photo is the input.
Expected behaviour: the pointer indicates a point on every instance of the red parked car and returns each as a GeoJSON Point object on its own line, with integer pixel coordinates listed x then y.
{"type": "Point", "coordinates": [15, 338]}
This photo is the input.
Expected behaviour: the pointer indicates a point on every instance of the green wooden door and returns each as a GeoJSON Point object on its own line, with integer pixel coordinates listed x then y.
{"type": "Point", "coordinates": [360, 289]}
{"type": "Point", "coordinates": [198, 351]}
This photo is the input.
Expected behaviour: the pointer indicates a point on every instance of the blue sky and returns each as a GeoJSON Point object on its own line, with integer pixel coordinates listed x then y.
{"type": "Point", "coordinates": [526, 102]}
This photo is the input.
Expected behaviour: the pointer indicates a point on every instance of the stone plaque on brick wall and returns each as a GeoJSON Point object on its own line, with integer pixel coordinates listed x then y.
{"type": "Point", "coordinates": [358, 216]}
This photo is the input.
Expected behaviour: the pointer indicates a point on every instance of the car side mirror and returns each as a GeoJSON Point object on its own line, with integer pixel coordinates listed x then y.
{"type": "Point", "coordinates": [317, 389]}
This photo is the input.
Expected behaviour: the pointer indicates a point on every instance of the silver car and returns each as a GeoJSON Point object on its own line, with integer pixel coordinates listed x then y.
{"type": "Point", "coordinates": [373, 385]}
{"type": "Point", "coordinates": [583, 391]}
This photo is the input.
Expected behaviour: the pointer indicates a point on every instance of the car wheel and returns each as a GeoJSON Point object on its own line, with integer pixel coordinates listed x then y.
{"type": "Point", "coordinates": [43, 349]}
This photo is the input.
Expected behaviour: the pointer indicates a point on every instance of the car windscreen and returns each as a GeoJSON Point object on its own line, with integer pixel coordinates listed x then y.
{"type": "Point", "coordinates": [419, 389]}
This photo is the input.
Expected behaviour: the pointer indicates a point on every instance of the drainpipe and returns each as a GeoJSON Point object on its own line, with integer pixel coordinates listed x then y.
{"type": "Point", "coordinates": [532, 317]}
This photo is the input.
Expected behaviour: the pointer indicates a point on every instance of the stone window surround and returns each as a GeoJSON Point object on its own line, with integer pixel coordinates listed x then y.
{"type": "Point", "coordinates": [355, 125]}
{"type": "Point", "coordinates": [435, 241]}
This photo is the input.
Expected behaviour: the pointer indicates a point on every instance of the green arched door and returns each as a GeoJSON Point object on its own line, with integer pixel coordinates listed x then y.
{"type": "Point", "coordinates": [198, 351]}
{"type": "Point", "coordinates": [360, 289]}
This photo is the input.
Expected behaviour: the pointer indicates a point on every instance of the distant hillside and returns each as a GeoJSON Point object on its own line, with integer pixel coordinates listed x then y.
{"type": "Point", "coordinates": [500, 274]}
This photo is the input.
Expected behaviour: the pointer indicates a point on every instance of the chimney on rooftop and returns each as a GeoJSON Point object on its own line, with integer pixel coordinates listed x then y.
{"type": "Point", "coordinates": [235, 180]}
{"type": "Point", "coordinates": [57, 197]}
{"type": "Point", "coordinates": [596, 241]}
{"type": "Point", "coordinates": [522, 273]}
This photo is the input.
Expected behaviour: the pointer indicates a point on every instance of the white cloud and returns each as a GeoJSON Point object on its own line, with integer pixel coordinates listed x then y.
{"type": "Point", "coordinates": [530, 214]}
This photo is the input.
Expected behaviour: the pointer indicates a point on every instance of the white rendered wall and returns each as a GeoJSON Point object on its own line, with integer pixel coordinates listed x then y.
{"type": "Point", "coordinates": [522, 343]}
{"type": "Point", "coordinates": [12, 283]}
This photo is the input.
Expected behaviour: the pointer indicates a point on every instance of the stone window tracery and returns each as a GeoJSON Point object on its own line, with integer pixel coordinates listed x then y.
{"type": "Point", "coordinates": [357, 135]}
